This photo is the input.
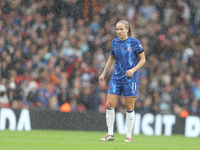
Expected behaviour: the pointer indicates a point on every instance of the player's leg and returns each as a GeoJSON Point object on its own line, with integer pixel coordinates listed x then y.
{"type": "Point", "coordinates": [130, 116]}
{"type": "Point", "coordinates": [110, 112]}
{"type": "Point", "coordinates": [130, 91]}
{"type": "Point", "coordinates": [113, 93]}
{"type": "Point", "coordinates": [110, 116]}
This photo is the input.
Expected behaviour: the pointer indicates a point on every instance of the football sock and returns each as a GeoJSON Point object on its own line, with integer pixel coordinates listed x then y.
{"type": "Point", "coordinates": [130, 116]}
{"type": "Point", "coordinates": [110, 119]}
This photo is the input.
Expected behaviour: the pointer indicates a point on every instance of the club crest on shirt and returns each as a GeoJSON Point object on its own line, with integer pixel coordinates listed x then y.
{"type": "Point", "coordinates": [128, 49]}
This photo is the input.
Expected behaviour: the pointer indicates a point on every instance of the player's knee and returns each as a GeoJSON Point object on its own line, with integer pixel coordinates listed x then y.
{"type": "Point", "coordinates": [110, 105]}
{"type": "Point", "coordinates": [129, 108]}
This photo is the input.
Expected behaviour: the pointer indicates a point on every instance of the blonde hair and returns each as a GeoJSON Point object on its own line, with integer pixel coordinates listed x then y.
{"type": "Point", "coordinates": [128, 26]}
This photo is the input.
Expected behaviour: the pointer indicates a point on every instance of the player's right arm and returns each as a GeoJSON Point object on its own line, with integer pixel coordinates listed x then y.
{"type": "Point", "coordinates": [109, 63]}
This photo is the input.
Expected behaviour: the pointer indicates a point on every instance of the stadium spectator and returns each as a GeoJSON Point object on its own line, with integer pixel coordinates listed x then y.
{"type": "Point", "coordinates": [147, 10]}
{"type": "Point", "coordinates": [4, 101]}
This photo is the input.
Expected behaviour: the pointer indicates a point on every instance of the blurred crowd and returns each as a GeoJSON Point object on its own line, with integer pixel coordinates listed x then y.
{"type": "Point", "coordinates": [53, 51]}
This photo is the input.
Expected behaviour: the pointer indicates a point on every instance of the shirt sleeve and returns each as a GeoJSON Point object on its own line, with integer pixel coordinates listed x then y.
{"type": "Point", "coordinates": [112, 49]}
{"type": "Point", "coordinates": [138, 47]}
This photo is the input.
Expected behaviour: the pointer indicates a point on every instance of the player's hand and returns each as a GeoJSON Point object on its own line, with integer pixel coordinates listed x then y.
{"type": "Point", "coordinates": [101, 78]}
{"type": "Point", "coordinates": [129, 73]}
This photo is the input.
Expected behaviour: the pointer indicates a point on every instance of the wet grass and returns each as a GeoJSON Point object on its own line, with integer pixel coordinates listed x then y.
{"type": "Point", "coordinates": [78, 140]}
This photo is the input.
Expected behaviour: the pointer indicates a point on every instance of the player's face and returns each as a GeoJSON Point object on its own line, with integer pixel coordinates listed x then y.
{"type": "Point", "coordinates": [121, 30]}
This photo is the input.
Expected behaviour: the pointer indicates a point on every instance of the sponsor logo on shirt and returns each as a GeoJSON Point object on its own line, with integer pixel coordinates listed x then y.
{"type": "Point", "coordinates": [140, 46]}
{"type": "Point", "coordinates": [134, 91]}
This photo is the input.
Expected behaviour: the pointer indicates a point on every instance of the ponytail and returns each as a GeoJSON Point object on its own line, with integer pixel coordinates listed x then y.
{"type": "Point", "coordinates": [130, 33]}
{"type": "Point", "coordinates": [128, 26]}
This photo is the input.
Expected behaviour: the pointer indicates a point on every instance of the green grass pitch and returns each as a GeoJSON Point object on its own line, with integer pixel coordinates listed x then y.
{"type": "Point", "coordinates": [86, 140]}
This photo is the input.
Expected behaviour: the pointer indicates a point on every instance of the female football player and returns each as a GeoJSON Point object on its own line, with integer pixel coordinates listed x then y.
{"type": "Point", "coordinates": [128, 56]}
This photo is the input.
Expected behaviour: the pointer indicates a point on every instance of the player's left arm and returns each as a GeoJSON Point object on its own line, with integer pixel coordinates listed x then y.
{"type": "Point", "coordinates": [140, 63]}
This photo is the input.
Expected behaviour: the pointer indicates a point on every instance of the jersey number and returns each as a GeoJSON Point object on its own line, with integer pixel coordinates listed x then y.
{"type": "Point", "coordinates": [134, 86]}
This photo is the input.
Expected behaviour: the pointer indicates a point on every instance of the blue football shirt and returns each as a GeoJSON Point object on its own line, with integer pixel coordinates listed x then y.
{"type": "Point", "coordinates": [126, 57]}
